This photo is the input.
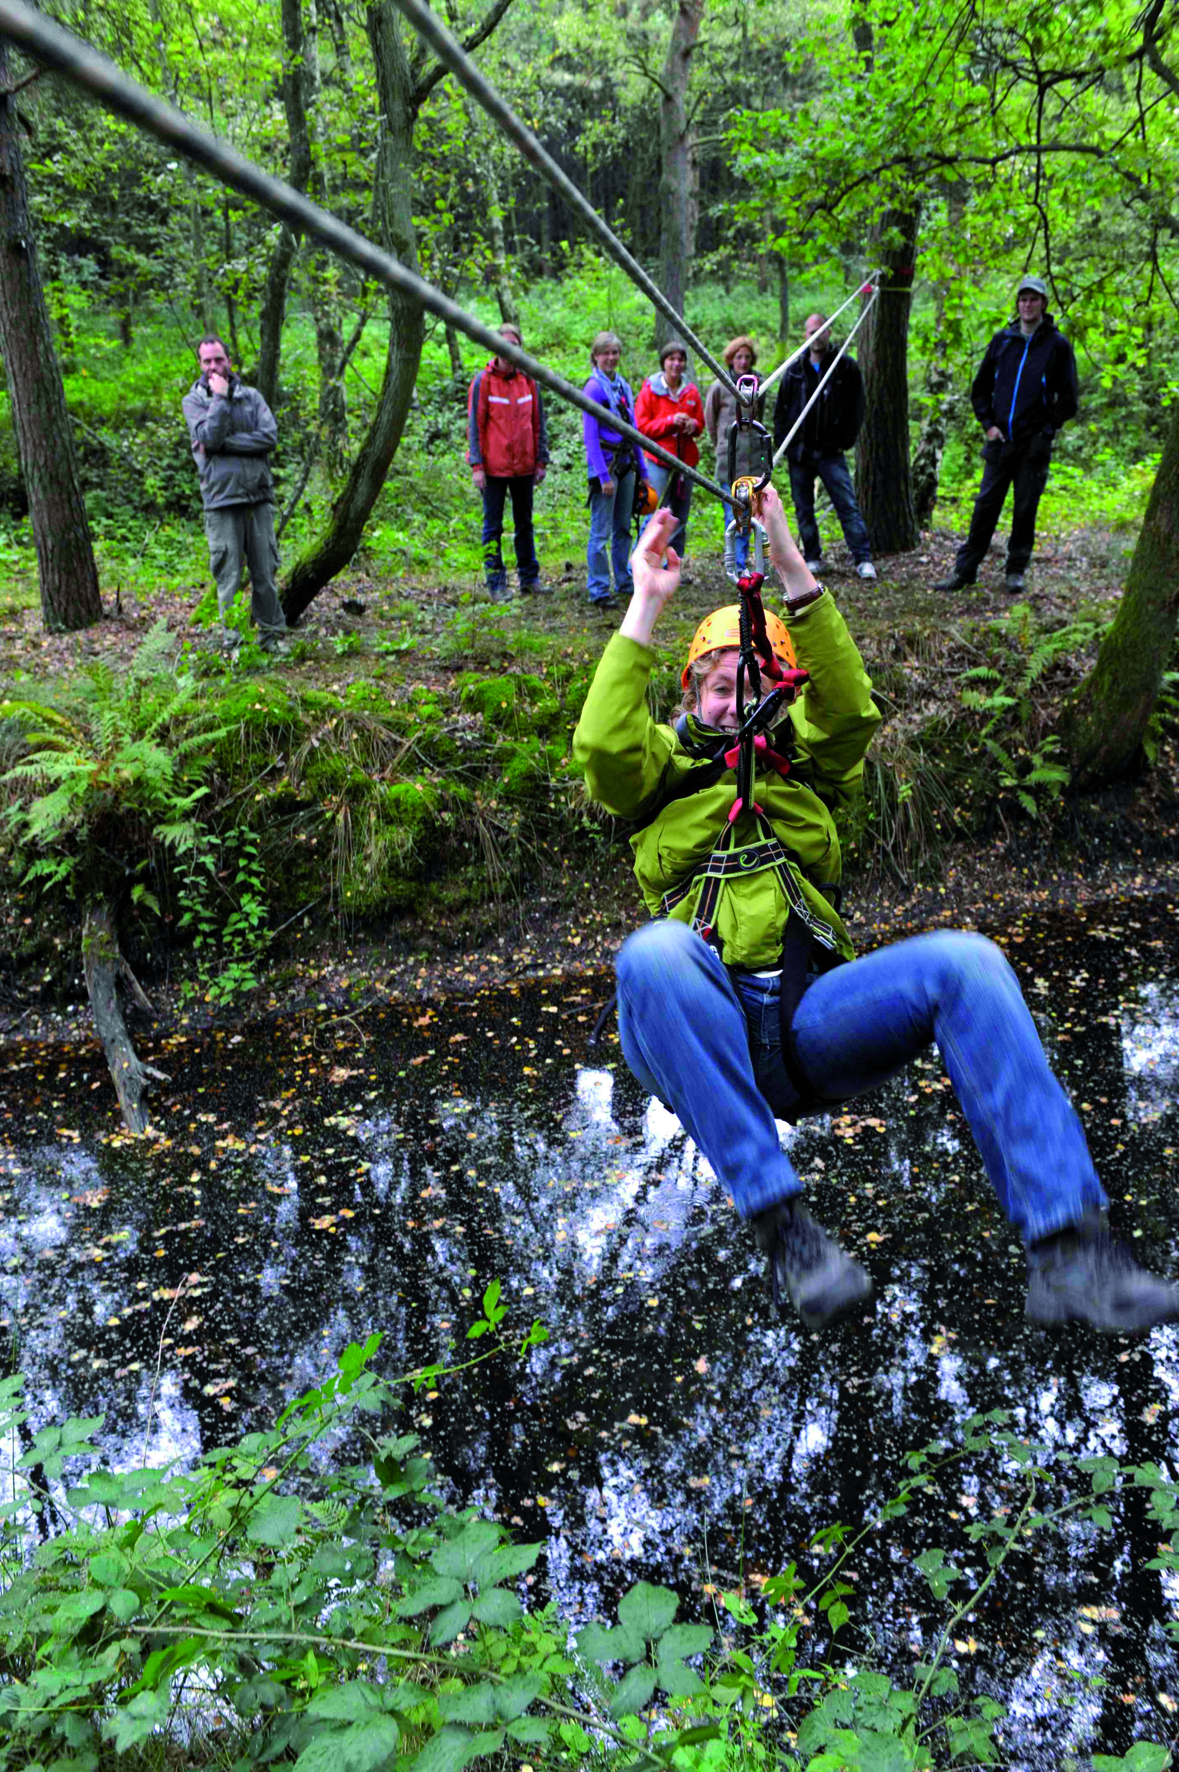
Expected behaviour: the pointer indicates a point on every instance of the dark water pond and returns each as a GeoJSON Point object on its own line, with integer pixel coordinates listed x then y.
{"type": "Point", "coordinates": [335, 1175]}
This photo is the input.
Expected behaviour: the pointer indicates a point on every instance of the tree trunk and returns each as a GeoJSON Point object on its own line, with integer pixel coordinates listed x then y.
{"type": "Point", "coordinates": [489, 176]}
{"type": "Point", "coordinates": [324, 272]}
{"type": "Point", "coordinates": [286, 247]}
{"type": "Point", "coordinates": [102, 964]}
{"type": "Point", "coordinates": [676, 238]}
{"type": "Point", "coordinates": [883, 482]}
{"type": "Point", "coordinates": [1106, 719]}
{"type": "Point", "coordinates": [457, 373]}
{"type": "Point", "coordinates": [65, 558]}
{"type": "Point", "coordinates": [393, 193]}
{"type": "Point", "coordinates": [200, 271]}
{"type": "Point", "coordinates": [940, 410]}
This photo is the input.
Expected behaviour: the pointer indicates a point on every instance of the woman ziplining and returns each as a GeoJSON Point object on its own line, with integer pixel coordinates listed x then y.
{"type": "Point", "coordinates": [759, 1010]}
{"type": "Point", "coordinates": [742, 1002]}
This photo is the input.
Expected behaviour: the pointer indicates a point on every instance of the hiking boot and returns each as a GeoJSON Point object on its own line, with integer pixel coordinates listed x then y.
{"type": "Point", "coordinates": [604, 603]}
{"type": "Point", "coordinates": [866, 569]}
{"type": "Point", "coordinates": [1082, 1273]}
{"type": "Point", "coordinates": [536, 588]}
{"type": "Point", "coordinates": [814, 567]}
{"type": "Point", "coordinates": [955, 582]}
{"type": "Point", "coordinates": [809, 1268]}
{"type": "Point", "coordinates": [1014, 581]}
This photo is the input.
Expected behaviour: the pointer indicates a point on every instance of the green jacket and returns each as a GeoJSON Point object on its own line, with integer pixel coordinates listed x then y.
{"type": "Point", "coordinates": [630, 762]}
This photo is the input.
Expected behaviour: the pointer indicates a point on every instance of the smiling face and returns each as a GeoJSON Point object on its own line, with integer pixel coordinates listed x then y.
{"type": "Point", "coordinates": [607, 359]}
{"type": "Point", "coordinates": [716, 704]}
{"type": "Point", "coordinates": [674, 365]}
{"type": "Point", "coordinates": [1031, 308]}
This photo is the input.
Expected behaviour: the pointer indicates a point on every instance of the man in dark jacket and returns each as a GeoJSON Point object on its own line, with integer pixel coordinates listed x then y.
{"type": "Point", "coordinates": [233, 432]}
{"type": "Point", "coordinates": [508, 451]}
{"type": "Point", "coordinates": [831, 426]}
{"type": "Point", "coordinates": [1025, 389]}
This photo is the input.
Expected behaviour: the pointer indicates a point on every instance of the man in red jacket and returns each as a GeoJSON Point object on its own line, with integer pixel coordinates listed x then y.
{"type": "Point", "coordinates": [508, 450]}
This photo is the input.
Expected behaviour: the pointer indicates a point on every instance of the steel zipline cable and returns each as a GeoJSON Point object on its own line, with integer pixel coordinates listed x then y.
{"type": "Point", "coordinates": [868, 288]}
{"type": "Point", "coordinates": [96, 74]}
{"type": "Point", "coordinates": [429, 26]}
{"type": "Point", "coordinates": [830, 371]}
{"type": "Point", "coordinates": [68, 55]}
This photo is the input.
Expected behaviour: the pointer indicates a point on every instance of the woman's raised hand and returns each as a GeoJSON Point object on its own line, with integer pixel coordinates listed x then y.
{"type": "Point", "coordinates": [655, 584]}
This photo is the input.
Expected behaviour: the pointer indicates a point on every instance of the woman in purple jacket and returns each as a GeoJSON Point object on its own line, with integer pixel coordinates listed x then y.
{"type": "Point", "coordinates": [612, 463]}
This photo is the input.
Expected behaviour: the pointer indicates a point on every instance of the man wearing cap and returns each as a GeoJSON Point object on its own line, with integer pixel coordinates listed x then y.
{"type": "Point", "coordinates": [1025, 389]}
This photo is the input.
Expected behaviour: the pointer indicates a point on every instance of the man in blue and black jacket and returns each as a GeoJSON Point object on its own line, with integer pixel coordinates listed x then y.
{"type": "Point", "coordinates": [1025, 389]}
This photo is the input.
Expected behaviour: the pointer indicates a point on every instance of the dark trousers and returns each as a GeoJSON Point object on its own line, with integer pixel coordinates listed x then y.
{"type": "Point", "coordinates": [1024, 468]}
{"type": "Point", "coordinates": [832, 471]}
{"type": "Point", "coordinates": [495, 491]}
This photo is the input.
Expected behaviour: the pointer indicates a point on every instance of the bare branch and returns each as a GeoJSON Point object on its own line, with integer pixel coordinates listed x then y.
{"type": "Point", "coordinates": [1150, 43]}
{"type": "Point", "coordinates": [425, 83]}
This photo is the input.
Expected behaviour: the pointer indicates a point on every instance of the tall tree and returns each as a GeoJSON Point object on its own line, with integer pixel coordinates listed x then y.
{"type": "Point", "coordinates": [65, 558]}
{"type": "Point", "coordinates": [286, 246]}
{"type": "Point", "coordinates": [1107, 719]}
{"type": "Point", "coordinates": [883, 481]}
{"type": "Point", "coordinates": [402, 88]}
{"type": "Point", "coordinates": [676, 230]}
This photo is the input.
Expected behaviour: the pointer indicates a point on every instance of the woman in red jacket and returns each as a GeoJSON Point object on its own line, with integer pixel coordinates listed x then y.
{"type": "Point", "coordinates": [670, 411]}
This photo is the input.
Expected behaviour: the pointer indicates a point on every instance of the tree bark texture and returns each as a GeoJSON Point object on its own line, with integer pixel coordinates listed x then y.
{"type": "Point", "coordinates": [883, 482]}
{"type": "Point", "coordinates": [102, 965]}
{"type": "Point", "coordinates": [676, 233]}
{"type": "Point", "coordinates": [393, 192]}
{"type": "Point", "coordinates": [65, 558]}
{"type": "Point", "coordinates": [286, 247]}
{"type": "Point", "coordinates": [1106, 720]}
{"type": "Point", "coordinates": [324, 275]}
{"type": "Point", "coordinates": [940, 412]}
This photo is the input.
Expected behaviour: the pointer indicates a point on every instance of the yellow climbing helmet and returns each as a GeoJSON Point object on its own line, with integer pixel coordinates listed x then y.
{"type": "Point", "coordinates": [721, 631]}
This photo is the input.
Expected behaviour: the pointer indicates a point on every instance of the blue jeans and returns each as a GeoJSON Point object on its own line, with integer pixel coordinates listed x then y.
{"type": "Point", "coordinates": [609, 539]}
{"type": "Point", "coordinates": [495, 491]}
{"type": "Point", "coordinates": [659, 477]}
{"type": "Point", "coordinates": [832, 471]}
{"type": "Point", "coordinates": [706, 1040]}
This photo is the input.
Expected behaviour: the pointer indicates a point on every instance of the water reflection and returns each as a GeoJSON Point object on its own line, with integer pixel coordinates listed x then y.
{"type": "Point", "coordinates": [336, 1176]}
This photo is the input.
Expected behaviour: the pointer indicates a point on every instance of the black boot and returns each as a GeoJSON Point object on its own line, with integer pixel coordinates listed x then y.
{"type": "Point", "coordinates": [955, 582]}
{"type": "Point", "coordinates": [1082, 1273]}
{"type": "Point", "coordinates": [809, 1268]}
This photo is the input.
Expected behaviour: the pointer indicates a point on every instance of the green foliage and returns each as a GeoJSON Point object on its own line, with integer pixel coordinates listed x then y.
{"type": "Point", "coordinates": [1006, 695]}
{"type": "Point", "coordinates": [113, 777]}
{"type": "Point", "coordinates": [342, 1615]}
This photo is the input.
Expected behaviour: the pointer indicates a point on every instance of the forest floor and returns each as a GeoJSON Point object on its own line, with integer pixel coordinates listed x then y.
{"type": "Point", "coordinates": [408, 632]}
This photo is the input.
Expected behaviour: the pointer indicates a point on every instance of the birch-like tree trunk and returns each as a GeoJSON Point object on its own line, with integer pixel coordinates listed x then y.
{"type": "Point", "coordinates": [286, 246]}
{"type": "Point", "coordinates": [676, 231]}
{"type": "Point", "coordinates": [392, 202]}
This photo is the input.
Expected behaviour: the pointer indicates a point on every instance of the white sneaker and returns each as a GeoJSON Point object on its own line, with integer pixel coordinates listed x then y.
{"type": "Point", "coordinates": [866, 569]}
{"type": "Point", "coordinates": [814, 566]}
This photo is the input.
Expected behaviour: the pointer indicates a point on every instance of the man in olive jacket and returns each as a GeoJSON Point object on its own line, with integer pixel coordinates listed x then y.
{"type": "Point", "coordinates": [233, 432]}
